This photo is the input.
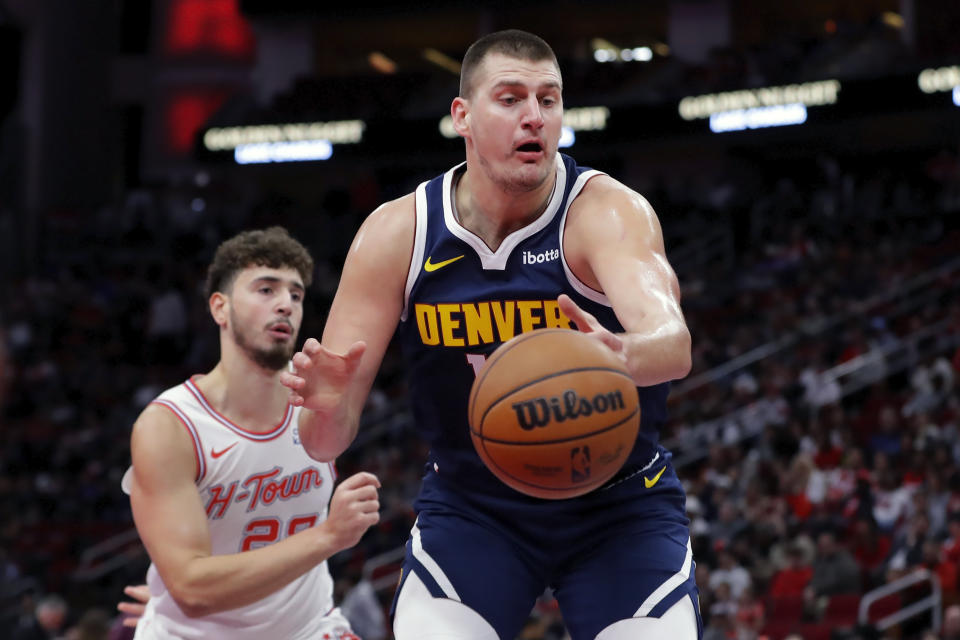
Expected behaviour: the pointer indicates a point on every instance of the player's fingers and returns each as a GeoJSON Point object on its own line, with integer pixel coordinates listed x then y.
{"type": "Point", "coordinates": [295, 399]}
{"type": "Point", "coordinates": [581, 318]}
{"type": "Point", "coordinates": [613, 341]}
{"type": "Point", "coordinates": [133, 608]}
{"type": "Point", "coordinates": [311, 347]}
{"type": "Point", "coordinates": [139, 592]}
{"type": "Point", "coordinates": [291, 381]}
{"type": "Point", "coordinates": [130, 622]}
{"type": "Point", "coordinates": [355, 352]}
{"type": "Point", "coordinates": [302, 361]}
{"type": "Point", "coordinates": [361, 479]}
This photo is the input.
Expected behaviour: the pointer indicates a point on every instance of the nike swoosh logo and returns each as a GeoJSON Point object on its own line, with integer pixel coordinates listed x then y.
{"type": "Point", "coordinates": [217, 454]}
{"type": "Point", "coordinates": [648, 483]}
{"type": "Point", "coordinates": [428, 266]}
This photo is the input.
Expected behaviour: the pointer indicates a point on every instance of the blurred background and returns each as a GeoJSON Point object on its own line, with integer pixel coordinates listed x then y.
{"type": "Point", "coordinates": [802, 157]}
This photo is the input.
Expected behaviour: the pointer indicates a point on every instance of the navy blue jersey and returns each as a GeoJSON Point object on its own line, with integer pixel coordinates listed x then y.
{"type": "Point", "coordinates": [464, 300]}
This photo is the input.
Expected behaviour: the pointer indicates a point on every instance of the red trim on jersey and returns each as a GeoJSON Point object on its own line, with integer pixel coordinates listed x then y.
{"type": "Point", "coordinates": [333, 471]}
{"type": "Point", "coordinates": [256, 436]}
{"type": "Point", "coordinates": [194, 435]}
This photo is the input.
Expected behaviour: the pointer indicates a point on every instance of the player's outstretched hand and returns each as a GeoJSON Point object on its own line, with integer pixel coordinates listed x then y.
{"type": "Point", "coordinates": [134, 610]}
{"type": "Point", "coordinates": [588, 324]}
{"type": "Point", "coordinates": [320, 376]}
{"type": "Point", "coordinates": [354, 508]}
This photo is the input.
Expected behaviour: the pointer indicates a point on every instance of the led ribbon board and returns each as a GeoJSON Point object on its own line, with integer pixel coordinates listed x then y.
{"type": "Point", "coordinates": [295, 142]}
{"type": "Point", "coordinates": [759, 108]}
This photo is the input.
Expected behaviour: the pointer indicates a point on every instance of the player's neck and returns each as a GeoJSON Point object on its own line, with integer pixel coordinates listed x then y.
{"type": "Point", "coordinates": [491, 213]}
{"type": "Point", "coordinates": [246, 394]}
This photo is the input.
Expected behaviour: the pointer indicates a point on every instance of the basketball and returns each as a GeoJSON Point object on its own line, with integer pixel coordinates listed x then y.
{"type": "Point", "coordinates": [553, 413]}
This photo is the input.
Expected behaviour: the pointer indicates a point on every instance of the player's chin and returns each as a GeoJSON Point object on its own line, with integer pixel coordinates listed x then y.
{"type": "Point", "coordinates": [276, 358]}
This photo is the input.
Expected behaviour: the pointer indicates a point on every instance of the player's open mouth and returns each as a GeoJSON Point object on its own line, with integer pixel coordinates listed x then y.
{"type": "Point", "coordinates": [530, 150]}
{"type": "Point", "coordinates": [280, 330]}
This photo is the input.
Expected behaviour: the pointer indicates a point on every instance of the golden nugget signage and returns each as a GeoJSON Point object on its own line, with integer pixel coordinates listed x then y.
{"type": "Point", "coordinates": [334, 132]}
{"type": "Point", "coordinates": [808, 94]}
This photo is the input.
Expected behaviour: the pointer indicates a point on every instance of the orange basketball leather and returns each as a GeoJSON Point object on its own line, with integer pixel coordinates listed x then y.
{"type": "Point", "coordinates": [554, 413]}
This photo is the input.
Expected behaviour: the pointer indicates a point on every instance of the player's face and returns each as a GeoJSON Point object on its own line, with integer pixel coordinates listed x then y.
{"type": "Point", "coordinates": [266, 308]}
{"type": "Point", "coordinates": [516, 113]}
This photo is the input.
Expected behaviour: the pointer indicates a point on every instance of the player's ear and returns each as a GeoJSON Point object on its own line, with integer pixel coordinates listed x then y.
{"type": "Point", "coordinates": [460, 113]}
{"type": "Point", "coordinates": [218, 308]}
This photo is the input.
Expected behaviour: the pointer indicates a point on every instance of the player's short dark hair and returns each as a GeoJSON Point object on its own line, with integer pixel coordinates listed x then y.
{"type": "Point", "coordinates": [513, 43]}
{"type": "Point", "coordinates": [273, 247]}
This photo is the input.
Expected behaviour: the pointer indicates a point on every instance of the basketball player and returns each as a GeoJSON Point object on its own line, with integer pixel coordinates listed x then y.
{"type": "Point", "coordinates": [232, 511]}
{"type": "Point", "coordinates": [516, 238]}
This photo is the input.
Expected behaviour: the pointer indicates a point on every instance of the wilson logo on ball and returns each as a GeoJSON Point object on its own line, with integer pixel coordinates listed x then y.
{"type": "Point", "coordinates": [538, 412]}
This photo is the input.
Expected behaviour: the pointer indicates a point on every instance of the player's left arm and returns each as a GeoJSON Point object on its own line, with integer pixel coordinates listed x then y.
{"type": "Point", "coordinates": [614, 244]}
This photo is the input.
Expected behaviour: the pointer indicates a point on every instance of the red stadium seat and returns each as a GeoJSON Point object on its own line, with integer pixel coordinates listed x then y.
{"type": "Point", "coordinates": [786, 607]}
{"type": "Point", "coordinates": [842, 609]}
{"type": "Point", "coordinates": [815, 631]}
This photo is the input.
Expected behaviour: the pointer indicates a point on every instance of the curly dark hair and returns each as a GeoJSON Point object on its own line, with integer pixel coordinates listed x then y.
{"type": "Point", "coordinates": [273, 247]}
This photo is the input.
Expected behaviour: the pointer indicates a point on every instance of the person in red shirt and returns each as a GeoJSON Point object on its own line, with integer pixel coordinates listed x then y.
{"type": "Point", "coordinates": [870, 548]}
{"type": "Point", "coordinates": [792, 579]}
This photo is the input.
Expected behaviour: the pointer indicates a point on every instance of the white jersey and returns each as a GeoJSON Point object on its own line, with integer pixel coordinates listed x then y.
{"type": "Point", "coordinates": [257, 488]}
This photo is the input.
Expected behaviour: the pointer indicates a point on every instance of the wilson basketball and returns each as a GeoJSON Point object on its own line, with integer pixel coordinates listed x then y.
{"type": "Point", "coordinates": [554, 413]}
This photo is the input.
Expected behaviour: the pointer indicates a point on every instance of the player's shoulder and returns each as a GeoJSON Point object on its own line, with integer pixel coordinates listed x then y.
{"type": "Point", "coordinates": [397, 211]}
{"type": "Point", "coordinates": [158, 417]}
{"type": "Point", "coordinates": [604, 195]}
{"type": "Point", "coordinates": [392, 221]}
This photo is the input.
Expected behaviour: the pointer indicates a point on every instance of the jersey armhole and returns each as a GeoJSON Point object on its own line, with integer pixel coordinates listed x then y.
{"type": "Point", "coordinates": [579, 286]}
{"type": "Point", "coordinates": [194, 436]}
{"type": "Point", "coordinates": [419, 242]}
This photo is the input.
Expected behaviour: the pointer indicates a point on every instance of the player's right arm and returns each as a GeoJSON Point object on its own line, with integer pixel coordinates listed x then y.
{"type": "Point", "coordinates": [172, 523]}
{"type": "Point", "coordinates": [332, 379]}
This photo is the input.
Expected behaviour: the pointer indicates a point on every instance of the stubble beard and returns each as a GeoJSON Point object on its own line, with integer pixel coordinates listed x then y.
{"type": "Point", "coordinates": [274, 358]}
{"type": "Point", "coordinates": [518, 182]}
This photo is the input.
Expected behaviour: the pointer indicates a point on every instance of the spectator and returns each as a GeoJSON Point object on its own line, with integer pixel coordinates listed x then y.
{"type": "Point", "coordinates": [49, 616]}
{"type": "Point", "coordinates": [834, 572]}
{"type": "Point", "coordinates": [870, 549]}
{"type": "Point", "coordinates": [792, 579]}
{"type": "Point", "coordinates": [94, 624]}
{"type": "Point", "coordinates": [729, 572]}
{"type": "Point", "coordinates": [951, 622]}
{"type": "Point", "coordinates": [750, 615]}
{"type": "Point", "coordinates": [934, 560]}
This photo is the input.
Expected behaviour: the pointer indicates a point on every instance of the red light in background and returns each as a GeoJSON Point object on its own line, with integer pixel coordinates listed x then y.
{"type": "Point", "coordinates": [208, 27]}
{"type": "Point", "coordinates": [187, 111]}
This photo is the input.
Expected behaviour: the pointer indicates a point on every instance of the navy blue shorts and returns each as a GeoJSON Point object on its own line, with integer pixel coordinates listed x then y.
{"type": "Point", "coordinates": [619, 552]}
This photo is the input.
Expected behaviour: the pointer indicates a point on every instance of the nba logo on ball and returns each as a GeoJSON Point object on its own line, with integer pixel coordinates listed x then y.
{"type": "Point", "coordinates": [579, 464]}
{"type": "Point", "coordinates": [554, 413]}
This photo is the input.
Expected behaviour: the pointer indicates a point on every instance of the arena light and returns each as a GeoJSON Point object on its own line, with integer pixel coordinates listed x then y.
{"type": "Point", "coordinates": [442, 60]}
{"type": "Point", "coordinates": [892, 19]}
{"type": "Point", "coordinates": [267, 152]}
{"type": "Point", "coordinates": [606, 51]}
{"type": "Point", "coordinates": [808, 94]}
{"type": "Point", "coordinates": [334, 132]}
{"type": "Point", "coordinates": [940, 79]}
{"type": "Point", "coordinates": [956, 96]}
{"type": "Point", "coordinates": [577, 119]}
{"type": "Point", "coordinates": [567, 138]}
{"type": "Point", "coordinates": [758, 118]}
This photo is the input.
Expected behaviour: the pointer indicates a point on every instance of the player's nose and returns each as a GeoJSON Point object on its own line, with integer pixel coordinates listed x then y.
{"type": "Point", "coordinates": [285, 303]}
{"type": "Point", "coordinates": [532, 116]}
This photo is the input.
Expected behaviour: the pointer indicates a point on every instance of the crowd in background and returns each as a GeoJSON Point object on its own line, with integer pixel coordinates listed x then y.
{"type": "Point", "coordinates": [799, 488]}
